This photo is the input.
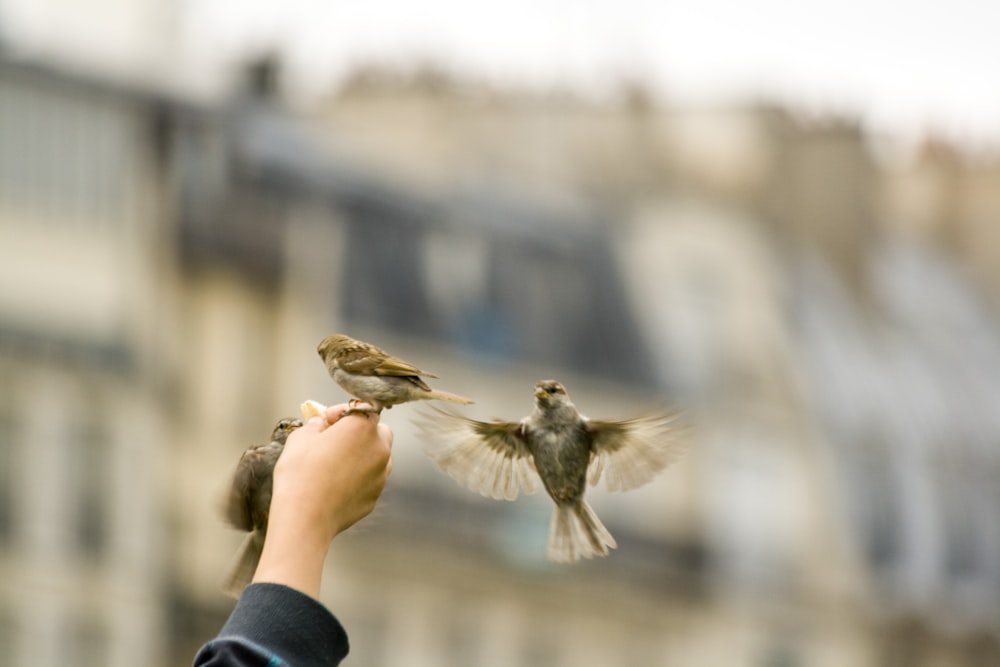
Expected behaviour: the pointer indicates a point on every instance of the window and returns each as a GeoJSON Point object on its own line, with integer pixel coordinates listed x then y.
{"type": "Point", "coordinates": [8, 469]}
{"type": "Point", "coordinates": [70, 153]}
{"type": "Point", "coordinates": [88, 456]}
{"type": "Point", "coordinates": [876, 502]}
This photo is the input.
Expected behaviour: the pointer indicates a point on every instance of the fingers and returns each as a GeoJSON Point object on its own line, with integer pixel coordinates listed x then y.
{"type": "Point", "coordinates": [386, 434]}
{"type": "Point", "coordinates": [335, 412]}
{"type": "Point", "coordinates": [313, 424]}
{"type": "Point", "coordinates": [349, 437]}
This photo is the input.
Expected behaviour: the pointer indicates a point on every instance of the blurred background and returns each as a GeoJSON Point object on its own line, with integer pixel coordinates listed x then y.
{"type": "Point", "coordinates": [782, 218]}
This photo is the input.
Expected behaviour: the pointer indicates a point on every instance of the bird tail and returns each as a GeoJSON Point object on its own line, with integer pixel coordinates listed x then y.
{"type": "Point", "coordinates": [244, 564]}
{"type": "Point", "coordinates": [436, 394]}
{"type": "Point", "coordinates": [576, 532]}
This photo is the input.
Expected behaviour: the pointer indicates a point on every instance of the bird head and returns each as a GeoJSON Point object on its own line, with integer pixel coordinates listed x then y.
{"type": "Point", "coordinates": [331, 345]}
{"type": "Point", "coordinates": [283, 428]}
{"type": "Point", "coordinates": [549, 393]}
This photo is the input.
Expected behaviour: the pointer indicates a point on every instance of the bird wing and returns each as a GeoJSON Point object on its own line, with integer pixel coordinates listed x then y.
{"type": "Point", "coordinates": [237, 508]}
{"type": "Point", "coordinates": [370, 360]}
{"type": "Point", "coordinates": [394, 366]}
{"type": "Point", "coordinates": [490, 457]}
{"type": "Point", "coordinates": [631, 452]}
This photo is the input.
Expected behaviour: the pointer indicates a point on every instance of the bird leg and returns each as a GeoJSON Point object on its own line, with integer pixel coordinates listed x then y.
{"type": "Point", "coordinates": [353, 409]}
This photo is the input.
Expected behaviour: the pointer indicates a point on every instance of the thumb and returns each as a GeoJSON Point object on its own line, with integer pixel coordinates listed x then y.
{"type": "Point", "coordinates": [315, 424]}
{"type": "Point", "coordinates": [335, 412]}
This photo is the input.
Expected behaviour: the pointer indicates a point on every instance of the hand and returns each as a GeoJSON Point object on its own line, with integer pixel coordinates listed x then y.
{"type": "Point", "coordinates": [328, 478]}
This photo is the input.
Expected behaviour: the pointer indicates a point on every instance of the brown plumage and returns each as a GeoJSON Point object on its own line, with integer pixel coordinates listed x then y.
{"type": "Point", "coordinates": [561, 447]}
{"type": "Point", "coordinates": [371, 375]}
{"type": "Point", "coordinates": [249, 502]}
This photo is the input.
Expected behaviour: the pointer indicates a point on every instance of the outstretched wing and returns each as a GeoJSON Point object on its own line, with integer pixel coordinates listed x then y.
{"type": "Point", "coordinates": [489, 457]}
{"type": "Point", "coordinates": [632, 452]}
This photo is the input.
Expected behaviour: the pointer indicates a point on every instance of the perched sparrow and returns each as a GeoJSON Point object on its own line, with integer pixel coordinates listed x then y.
{"type": "Point", "coordinates": [565, 449]}
{"type": "Point", "coordinates": [372, 376]}
{"type": "Point", "coordinates": [249, 503]}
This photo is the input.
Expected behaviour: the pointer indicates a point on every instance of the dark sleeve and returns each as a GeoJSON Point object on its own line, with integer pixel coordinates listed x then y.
{"type": "Point", "coordinates": [275, 625]}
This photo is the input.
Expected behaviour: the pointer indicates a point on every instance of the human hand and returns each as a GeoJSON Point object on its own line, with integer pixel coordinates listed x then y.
{"type": "Point", "coordinates": [329, 477]}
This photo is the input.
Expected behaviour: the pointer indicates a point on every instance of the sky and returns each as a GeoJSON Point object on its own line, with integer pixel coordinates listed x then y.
{"type": "Point", "coordinates": [905, 67]}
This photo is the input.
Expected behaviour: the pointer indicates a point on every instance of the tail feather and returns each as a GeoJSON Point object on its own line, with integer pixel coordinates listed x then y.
{"type": "Point", "coordinates": [575, 532]}
{"type": "Point", "coordinates": [437, 394]}
{"type": "Point", "coordinates": [244, 564]}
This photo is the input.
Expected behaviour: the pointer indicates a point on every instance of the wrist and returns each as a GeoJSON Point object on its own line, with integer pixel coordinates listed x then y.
{"type": "Point", "coordinates": [294, 557]}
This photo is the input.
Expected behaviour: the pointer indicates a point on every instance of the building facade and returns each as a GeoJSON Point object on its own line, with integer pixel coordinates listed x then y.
{"type": "Point", "coordinates": [168, 269]}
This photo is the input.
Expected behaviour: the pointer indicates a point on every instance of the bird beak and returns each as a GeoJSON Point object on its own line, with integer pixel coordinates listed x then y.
{"type": "Point", "coordinates": [539, 392]}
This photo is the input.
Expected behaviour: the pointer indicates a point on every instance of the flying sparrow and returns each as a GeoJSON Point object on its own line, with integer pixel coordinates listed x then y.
{"type": "Point", "coordinates": [563, 448]}
{"type": "Point", "coordinates": [375, 377]}
{"type": "Point", "coordinates": [249, 502]}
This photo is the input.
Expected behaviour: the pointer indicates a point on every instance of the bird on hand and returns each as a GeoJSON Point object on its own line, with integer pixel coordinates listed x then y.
{"type": "Point", "coordinates": [373, 376]}
{"type": "Point", "coordinates": [563, 448]}
{"type": "Point", "coordinates": [249, 503]}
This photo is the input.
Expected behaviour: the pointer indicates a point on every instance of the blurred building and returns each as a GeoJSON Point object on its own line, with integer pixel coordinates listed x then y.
{"type": "Point", "coordinates": [85, 428]}
{"type": "Point", "coordinates": [168, 269]}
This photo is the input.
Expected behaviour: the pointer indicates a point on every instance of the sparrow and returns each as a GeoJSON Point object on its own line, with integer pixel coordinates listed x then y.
{"type": "Point", "coordinates": [562, 447]}
{"type": "Point", "coordinates": [372, 376]}
{"type": "Point", "coordinates": [249, 502]}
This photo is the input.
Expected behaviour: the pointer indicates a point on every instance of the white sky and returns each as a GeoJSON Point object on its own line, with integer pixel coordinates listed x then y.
{"type": "Point", "coordinates": [905, 65]}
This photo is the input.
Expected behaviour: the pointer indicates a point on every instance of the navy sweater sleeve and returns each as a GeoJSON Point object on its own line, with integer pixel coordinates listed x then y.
{"type": "Point", "coordinates": [274, 626]}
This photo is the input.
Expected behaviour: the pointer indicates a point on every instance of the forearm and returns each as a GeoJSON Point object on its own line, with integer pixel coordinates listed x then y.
{"type": "Point", "coordinates": [306, 514]}
{"type": "Point", "coordinates": [293, 555]}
